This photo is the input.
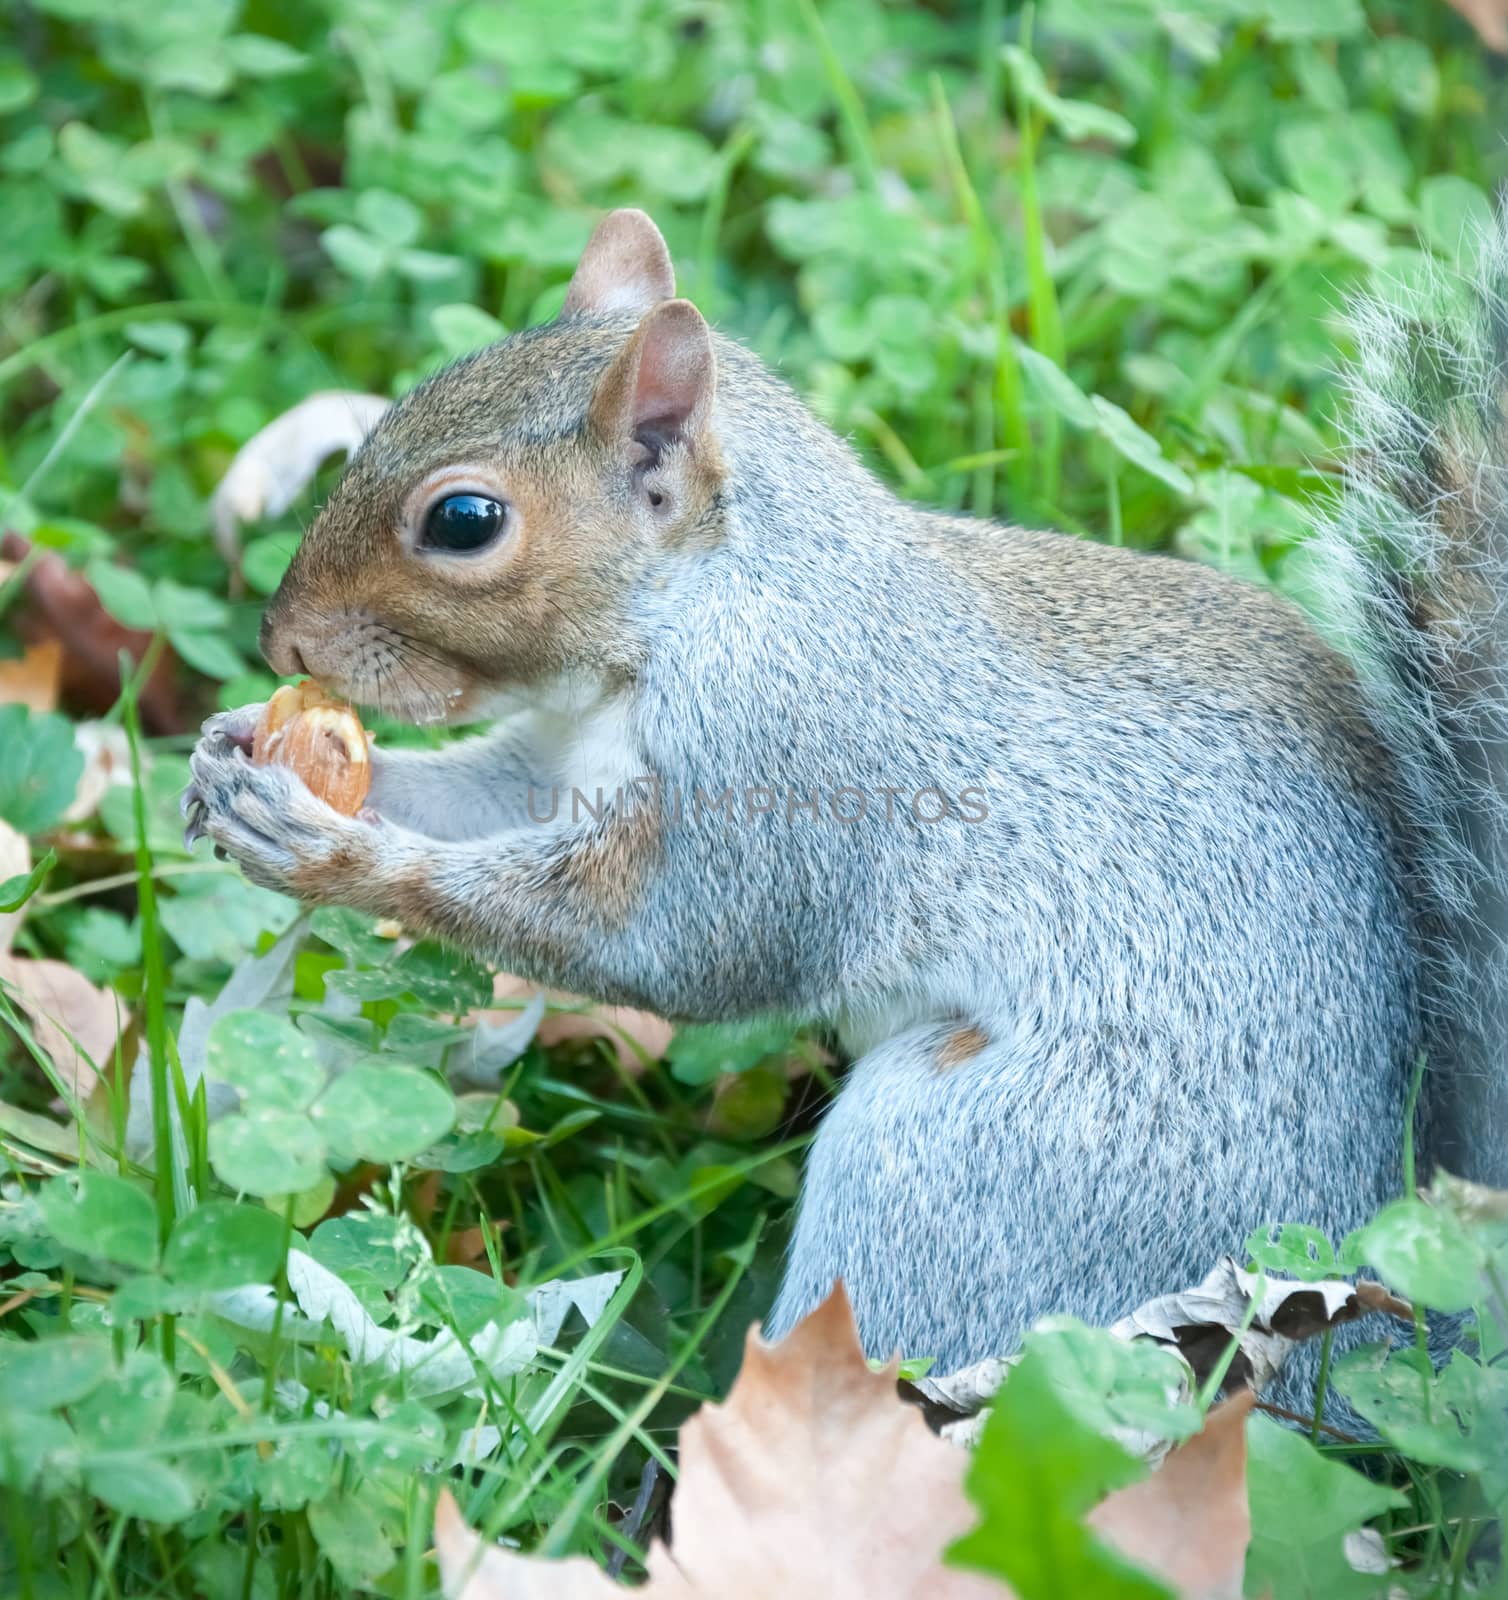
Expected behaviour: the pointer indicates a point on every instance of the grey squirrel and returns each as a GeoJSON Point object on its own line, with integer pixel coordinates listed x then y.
{"type": "Point", "coordinates": [1134, 900]}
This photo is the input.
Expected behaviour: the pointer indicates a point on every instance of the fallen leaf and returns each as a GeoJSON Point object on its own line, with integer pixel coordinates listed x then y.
{"type": "Point", "coordinates": [1053, 1450]}
{"type": "Point", "coordinates": [1189, 1522]}
{"type": "Point", "coordinates": [813, 1481]}
{"type": "Point", "coordinates": [621, 1026]}
{"type": "Point", "coordinates": [1374, 1297]}
{"type": "Point", "coordinates": [107, 762]}
{"type": "Point", "coordinates": [322, 1301]}
{"type": "Point", "coordinates": [324, 1306]}
{"type": "Point", "coordinates": [494, 1047]}
{"type": "Point", "coordinates": [467, 1247]}
{"type": "Point", "coordinates": [1365, 1552]}
{"type": "Point", "coordinates": [75, 1022]}
{"type": "Point", "coordinates": [1198, 1324]}
{"type": "Point", "coordinates": [276, 464]}
{"type": "Point", "coordinates": [1489, 18]}
{"type": "Point", "coordinates": [34, 678]}
{"type": "Point", "coordinates": [957, 1404]}
{"type": "Point", "coordinates": [812, 1478]}
{"type": "Point", "coordinates": [63, 608]}
{"type": "Point", "coordinates": [552, 1302]}
{"type": "Point", "coordinates": [1201, 1322]}
{"type": "Point", "coordinates": [15, 862]}
{"type": "Point", "coordinates": [263, 981]}
{"type": "Point", "coordinates": [1472, 1203]}
{"type": "Point", "coordinates": [470, 1570]}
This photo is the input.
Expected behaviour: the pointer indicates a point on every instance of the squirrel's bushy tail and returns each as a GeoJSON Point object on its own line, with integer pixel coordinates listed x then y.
{"type": "Point", "coordinates": [1417, 558]}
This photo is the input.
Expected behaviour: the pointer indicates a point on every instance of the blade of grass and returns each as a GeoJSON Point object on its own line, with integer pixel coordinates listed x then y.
{"type": "Point", "coordinates": [196, 236]}
{"type": "Point", "coordinates": [851, 118]}
{"type": "Point", "coordinates": [732, 153]}
{"type": "Point", "coordinates": [154, 970]}
{"type": "Point", "coordinates": [11, 586]}
{"type": "Point", "coordinates": [902, 462]}
{"type": "Point", "coordinates": [535, 1429]}
{"type": "Point", "coordinates": [705, 1186]}
{"type": "Point", "coordinates": [1010, 424]}
{"type": "Point", "coordinates": [119, 880]}
{"type": "Point", "coordinates": [1321, 1385]}
{"type": "Point", "coordinates": [1044, 316]}
{"type": "Point", "coordinates": [557, 1541]}
{"type": "Point", "coordinates": [1044, 319]}
{"type": "Point", "coordinates": [65, 1091]}
{"type": "Point", "coordinates": [991, 28]}
{"type": "Point", "coordinates": [1411, 1189]}
{"type": "Point", "coordinates": [1211, 1385]}
{"type": "Point", "coordinates": [1223, 351]}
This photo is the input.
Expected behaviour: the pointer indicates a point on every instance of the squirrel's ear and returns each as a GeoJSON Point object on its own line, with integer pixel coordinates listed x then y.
{"type": "Point", "coordinates": [660, 386]}
{"type": "Point", "coordinates": [625, 267]}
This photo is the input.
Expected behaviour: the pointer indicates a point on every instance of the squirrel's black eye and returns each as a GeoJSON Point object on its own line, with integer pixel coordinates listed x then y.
{"type": "Point", "coordinates": [462, 522]}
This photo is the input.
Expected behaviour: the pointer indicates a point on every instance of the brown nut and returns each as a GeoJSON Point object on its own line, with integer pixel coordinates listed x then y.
{"type": "Point", "coordinates": [319, 739]}
{"type": "Point", "coordinates": [280, 710]}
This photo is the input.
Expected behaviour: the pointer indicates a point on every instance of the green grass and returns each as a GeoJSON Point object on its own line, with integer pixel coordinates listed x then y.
{"type": "Point", "coordinates": [1079, 265]}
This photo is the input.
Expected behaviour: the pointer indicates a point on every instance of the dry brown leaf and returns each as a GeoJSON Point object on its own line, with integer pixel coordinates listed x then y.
{"type": "Point", "coordinates": [65, 1007]}
{"type": "Point", "coordinates": [1489, 18]}
{"type": "Point", "coordinates": [269, 471]}
{"type": "Point", "coordinates": [470, 1570]}
{"type": "Point", "coordinates": [15, 859]}
{"type": "Point", "coordinates": [63, 607]}
{"type": "Point", "coordinates": [1189, 1522]}
{"type": "Point", "coordinates": [814, 1482]}
{"type": "Point", "coordinates": [651, 1033]}
{"type": "Point", "coordinates": [1473, 1203]}
{"type": "Point", "coordinates": [814, 1479]}
{"type": "Point", "coordinates": [1372, 1296]}
{"type": "Point", "coordinates": [34, 678]}
{"type": "Point", "coordinates": [957, 1404]}
{"type": "Point", "coordinates": [1199, 1323]}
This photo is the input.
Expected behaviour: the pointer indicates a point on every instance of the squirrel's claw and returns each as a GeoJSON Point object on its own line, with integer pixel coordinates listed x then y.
{"type": "Point", "coordinates": [193, 809]}
{"type": "Point", "coordinates": [233, 727]}
{"type": "Point", "coordinates": [223, 733]}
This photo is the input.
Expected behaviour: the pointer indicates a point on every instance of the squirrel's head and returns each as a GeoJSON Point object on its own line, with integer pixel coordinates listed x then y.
{"type": "Point", "coordinates": [488, 535]}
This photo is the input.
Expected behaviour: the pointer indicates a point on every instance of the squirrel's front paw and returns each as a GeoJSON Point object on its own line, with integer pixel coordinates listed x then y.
{"type": "Point", "coordinates": [221, 734]}
{"type": "Point", "coordinates": [283, 836]}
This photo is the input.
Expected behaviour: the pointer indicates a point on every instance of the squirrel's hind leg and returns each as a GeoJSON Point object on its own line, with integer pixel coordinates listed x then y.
{"type": "Point", "coordinates": [901, 1200]}
{"type": "Point", "coordinates": [972, 1178]}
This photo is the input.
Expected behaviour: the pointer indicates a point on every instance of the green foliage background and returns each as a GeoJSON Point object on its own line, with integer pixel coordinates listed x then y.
{"type": "Point", "coordinates": [267, 200]}
{"type": "Point", "coordinates": [1079, 265]}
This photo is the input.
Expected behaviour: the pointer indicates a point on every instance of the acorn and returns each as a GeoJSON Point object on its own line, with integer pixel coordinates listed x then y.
{"type": "Point", "coordinates": [319, 739]}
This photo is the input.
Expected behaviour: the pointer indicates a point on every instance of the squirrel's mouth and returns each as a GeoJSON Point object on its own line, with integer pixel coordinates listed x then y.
{"type": "Point", "coordinates": [401, 693]}
{"type": "Point", "coordinates": [370, 662]}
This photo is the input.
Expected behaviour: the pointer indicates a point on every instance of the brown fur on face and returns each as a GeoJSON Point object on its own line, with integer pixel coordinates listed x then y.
{"type": "Point", "coordinates": [434, 636]}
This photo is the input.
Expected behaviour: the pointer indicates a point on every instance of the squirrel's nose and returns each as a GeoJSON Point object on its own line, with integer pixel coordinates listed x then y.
{"type": "Point", "coordinates": [281, 652]}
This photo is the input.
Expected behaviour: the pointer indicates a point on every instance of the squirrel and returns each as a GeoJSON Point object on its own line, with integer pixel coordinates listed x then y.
{"type": "Point", "coordinates": [1133, 899]}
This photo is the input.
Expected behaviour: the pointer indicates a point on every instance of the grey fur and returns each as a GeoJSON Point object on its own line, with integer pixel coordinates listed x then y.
{"type": "Point", "coordinates": [1194, 939]}
{"type": "Point", "coordinates": [1416, 564]}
